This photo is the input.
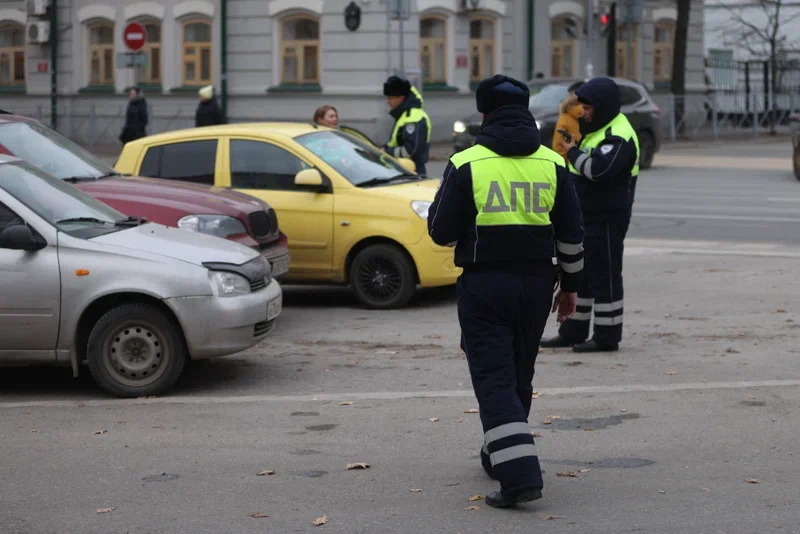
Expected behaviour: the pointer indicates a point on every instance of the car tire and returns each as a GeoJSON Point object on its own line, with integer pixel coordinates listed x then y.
{"type": "Point", "coordinates": [136, 350]}
{"type": "Point", "coordinates": [647, 148]}
{"type": "Point", "coordinates": [382, 277]}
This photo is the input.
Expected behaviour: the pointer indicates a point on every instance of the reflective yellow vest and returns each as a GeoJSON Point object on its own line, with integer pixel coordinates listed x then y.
{"type": "Point", "coordinates": [413, 115]}
{"type": "Point", "coordinates": [515, 190]}
{"type": "Point", "coordinates": [619, 127]}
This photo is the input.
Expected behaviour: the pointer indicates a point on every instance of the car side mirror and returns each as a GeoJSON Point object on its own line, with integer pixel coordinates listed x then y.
{"type": "Point", "coordinates": [407, 164]}
{"type": "Point", "coordinates": [19, 237]}
{"type": "Point", "coordinates": [310, 178]}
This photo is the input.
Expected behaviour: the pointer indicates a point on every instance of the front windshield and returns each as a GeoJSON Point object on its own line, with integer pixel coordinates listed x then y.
{"type": "Point", "coordinates": [351, 157]}
{"type": "Point", "coordinates": [549, 97]}
{"type": "Point", "coordinates": [51, 151]}
{"type": "Point", "coordinates": [64, 206]}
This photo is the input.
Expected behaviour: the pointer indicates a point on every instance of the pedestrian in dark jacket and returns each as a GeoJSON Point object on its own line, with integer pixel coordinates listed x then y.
{"type": "Point", "coordinates": [208, 112]}
{"type": "Point", "coordinates": [136, 118]}
{"type": "Point", "coordinates": [411, 134]}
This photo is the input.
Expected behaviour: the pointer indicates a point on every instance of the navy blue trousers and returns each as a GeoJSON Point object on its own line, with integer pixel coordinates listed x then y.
{"type": "Point", "coordinates": [601, 288]}
{"type": "Point", "coordinates": [502, 317]}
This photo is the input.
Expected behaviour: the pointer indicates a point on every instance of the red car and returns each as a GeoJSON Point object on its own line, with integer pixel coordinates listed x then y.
{"type": "Point", "coordinates": [194, 207]}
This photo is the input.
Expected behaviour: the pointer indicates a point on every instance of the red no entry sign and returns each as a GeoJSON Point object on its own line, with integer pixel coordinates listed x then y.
{"type": "Point", "coordinates": [135, 36]}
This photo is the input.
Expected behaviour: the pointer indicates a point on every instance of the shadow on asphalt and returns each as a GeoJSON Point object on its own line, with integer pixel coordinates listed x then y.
{"type": "Point", "coordinates": [342, 297]}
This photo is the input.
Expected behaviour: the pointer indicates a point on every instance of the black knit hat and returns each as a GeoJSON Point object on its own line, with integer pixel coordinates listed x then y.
{"type": "Point", "coordinates": [396, 86]}
{"type": "Point", "coordinates": [499, 91]}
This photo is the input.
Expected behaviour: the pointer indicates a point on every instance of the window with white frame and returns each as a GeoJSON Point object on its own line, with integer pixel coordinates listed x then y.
{"type": "Point", "coordinates": [432, 46]}
{"type": "Point", "coordinates": [300, 50]}
{"type": "Point", "coordinates": [152, 49]}
{"type": "Point", "coordinates": [481, 48]}
{"type": "Point", "coordinates": [562, 47]}
{"type": "Point", "coordinates": [626, 52]}
{"type": "Point", "coordinates": [197, 69]}
{"type": "Point", "coordinates": [101, 53]}
{"type": "Point", "coordinates": [12, 54]}
{"type": "Point", "coordinates": [663, 44]}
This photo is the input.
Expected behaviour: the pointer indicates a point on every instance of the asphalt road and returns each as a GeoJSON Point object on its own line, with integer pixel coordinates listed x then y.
{"type": "Point", "coordinates": [735, 191]}
{"type": "Point", "coordinates": [702, 398]}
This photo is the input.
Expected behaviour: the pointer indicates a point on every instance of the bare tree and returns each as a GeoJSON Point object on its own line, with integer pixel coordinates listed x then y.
{"type": "Point", "coordinates": [678, 85]}
{"type": "Point", "coordinates": [759, 28]}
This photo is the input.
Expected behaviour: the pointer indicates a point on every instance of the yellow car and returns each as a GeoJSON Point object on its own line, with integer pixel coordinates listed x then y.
{"type": "Point", "coordinates": [353, 214]}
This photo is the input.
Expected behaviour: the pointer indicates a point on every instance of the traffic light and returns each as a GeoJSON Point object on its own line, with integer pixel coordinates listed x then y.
{"type": "Point", "coordinates": [608, 29]}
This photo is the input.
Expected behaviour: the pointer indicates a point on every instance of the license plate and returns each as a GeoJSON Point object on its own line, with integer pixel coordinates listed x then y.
{"type": "Point", "coordinates": [274, 308]}
{"type": "Point", "coordinates": [280, 267]}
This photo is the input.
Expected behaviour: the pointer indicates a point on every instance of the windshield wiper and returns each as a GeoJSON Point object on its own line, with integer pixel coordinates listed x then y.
{"type": "Point", "coordinates": [131, 221]}
{"type": "Point", "coordinates": [380, 181]}
{"type": "Point", "coordinates": [74, 179]}
{"type": "Point", "coordinates": [82, 219]}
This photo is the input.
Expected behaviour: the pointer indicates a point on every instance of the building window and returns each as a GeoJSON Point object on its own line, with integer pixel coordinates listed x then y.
{"type": "Point", "coordinates": [196, 53]}
{"type": "Point", "coordinates": [101, 53]}
{"type": "Point", "coordinates": [663, 42]}
{"type": "Point", "coordinates": [626, 53]}
{"type": "Point", "coordinates": [12, 55]}
{"type": "Point", "coordinates": [481, 49]}
{"type": "Point", "coordinates": [152, 49]}
{"type": "Point", "coordinates": [432, 46]}
{"type": "Point", "coordinates": [300, 50]}
{"type": "Point", "coordinates": [562, 47]}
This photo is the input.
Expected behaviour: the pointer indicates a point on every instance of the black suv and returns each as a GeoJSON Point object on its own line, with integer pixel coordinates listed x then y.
{"type": "Point", "coordinates": [546, 97]}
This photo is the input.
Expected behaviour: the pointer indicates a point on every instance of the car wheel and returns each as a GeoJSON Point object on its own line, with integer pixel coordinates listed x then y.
{"type": "Point", "coordinates": [647, 150]}
{"type": "Point", "coordinates": [136, 350]}
{"type": "Point", "coordinates": [382, 277]}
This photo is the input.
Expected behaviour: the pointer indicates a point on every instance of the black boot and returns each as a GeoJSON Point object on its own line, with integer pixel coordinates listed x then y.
{"type": "Point", "coordinates": [487, 464]}
{"type": "Point", "coordinates": [509, 498]}
{"type": "Point", "coordinates": [557, 342]}
{"type": "Point", "coordinates": [594, 346]}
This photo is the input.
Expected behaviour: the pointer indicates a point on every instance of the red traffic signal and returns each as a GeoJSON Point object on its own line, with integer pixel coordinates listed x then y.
{"type": "Point", "coordinates": [604, 19]}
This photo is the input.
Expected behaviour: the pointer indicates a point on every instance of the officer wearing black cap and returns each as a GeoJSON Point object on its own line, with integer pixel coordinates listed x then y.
{"type": "Point", "coordinates": [411, 135]}
{"type": "Point", "coordinates": [509, 207]}
{"type": "Point", "coordinates": [604, 169]}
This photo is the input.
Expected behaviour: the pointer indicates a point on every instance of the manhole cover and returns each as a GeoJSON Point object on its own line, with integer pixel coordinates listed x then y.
{"type": "Point", "coordinates": [163, 477]}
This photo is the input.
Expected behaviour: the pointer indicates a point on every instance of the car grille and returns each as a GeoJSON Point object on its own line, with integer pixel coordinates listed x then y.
{"type": "Point", "coordinates": [263, 328]}
{"type": "Point", "coordinates": [260, 283]}
{"type": "Point", "coordinates": [263, 223]}
{"type": "Point", "coordinates": [474, 129]}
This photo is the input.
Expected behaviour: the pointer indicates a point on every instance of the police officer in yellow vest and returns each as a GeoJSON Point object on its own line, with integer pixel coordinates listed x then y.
{"type": "Point", "coordinates": [604, 168]}
{"type": "Point", "coordinates": [411, 134]}
{"type": "Point", "coordinates": [509, 207]}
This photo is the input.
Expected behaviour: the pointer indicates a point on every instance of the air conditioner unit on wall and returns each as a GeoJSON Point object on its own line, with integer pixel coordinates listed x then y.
{"type": "Point", "coordinates": [37, 7]}
{"type": "Point", "coordinates": [38, 32]}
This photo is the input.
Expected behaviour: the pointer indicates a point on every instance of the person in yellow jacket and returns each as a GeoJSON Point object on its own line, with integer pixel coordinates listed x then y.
{"type": "Point", "coordinates": [571, 111]}
{"type": "Point", "coordinates": [411, 134]}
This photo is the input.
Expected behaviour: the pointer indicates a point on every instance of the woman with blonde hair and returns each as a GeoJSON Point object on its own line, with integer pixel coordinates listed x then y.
{"type": "Point", "coordinates": [327, 116]}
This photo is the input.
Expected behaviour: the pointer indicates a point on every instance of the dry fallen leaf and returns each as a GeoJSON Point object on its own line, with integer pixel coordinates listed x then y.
{"type": "Point", "coordinates": [453, 483]}
{"type": "Point", "coordinates": [471, 508]}
{"type": "Point", "coordinates": [588, 429]}
{"type": "Point", "coordinates": [434, 419]}
{"type": "Point", "coordinates": [415, 490]}
{"type": "Point", "coordinates": [750, 397]}
{"type": "Point", "coordinates": [459, 420]}
{"type": "Point", "coordinates": [624, 410]}
{"type": "Point", "coordinates": [671, 373]}
{"type": "Point", "coordinates": [571, 474]}
{"type": "Point", "coordinates": [346, 403]}
{"type": "Point", "coordinates": [34, 430]}
{"type": "Point", "coordinates": [357, 465]}
{"type": "Point", "coordinates": [753, 481]}
{"type": "Point", "coordinates": [266, 472]}
{"type": "Point", "coordinates": [551, 517]}
{"type": "Point", "coordinates": [731, 350]}
{"type": "Point", "coordinates": [667, 316]}
{"type": "Point", "coordinates": [661, 491]}
{"type": "Point", "coordinates": [122, 421]}
{"type": "Point", "coordinates": [553, 417]}
{"type": "Point", "coordinates": [706, 489]}
{"type": "Point", "coordinates": [320, 520]}
{"type": "Point", "coordinates": [475, 498]}
{"type": "Point", "coordinates": [778, 310]}
{"type": "Point", "coordinates": [106, 510]}
{"type": "Point", "coordinates": [257, 514]}
{"type": "Point", "coordinates": [535, 434]}
{"type": "Point", "coordinates": [471, 410]}
{"type": "Point", "coordinates": [547, 422]}
{"type": "Point", "coordinates": [101, 431]}
{"type": "Point", "coordinates": [584, 470]}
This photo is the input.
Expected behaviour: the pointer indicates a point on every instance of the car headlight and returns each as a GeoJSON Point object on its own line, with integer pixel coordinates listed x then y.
{"type": "Point", "coordinates": [216, 225]}
{"type": "Point", "coordinates": [225, 284]}
{"type": "Point", "coordinates": [420, 207]}
{"type": "Point", "coordinates": [459, 127]}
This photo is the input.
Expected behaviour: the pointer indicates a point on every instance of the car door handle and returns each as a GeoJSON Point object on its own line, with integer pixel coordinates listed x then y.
{"type": "Point", "coordinates": [345, 223]}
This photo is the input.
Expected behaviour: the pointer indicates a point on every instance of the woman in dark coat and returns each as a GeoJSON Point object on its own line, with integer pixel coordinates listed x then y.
{"type": "Point", "coordinates": [208, 112]}
{"type": "Point", "coordinates": [136, 118]}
